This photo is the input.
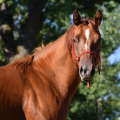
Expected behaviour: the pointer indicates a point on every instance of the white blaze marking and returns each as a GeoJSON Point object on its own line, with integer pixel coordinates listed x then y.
{"type": "Point", "coordinates": [87, 33]}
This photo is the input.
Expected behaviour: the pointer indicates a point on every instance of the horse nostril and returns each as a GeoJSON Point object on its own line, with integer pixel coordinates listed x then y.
{"type": "Point", "coordinates": [93, 71]}
{"type": "Point", "coordinates": [85, 70]}
{"type": "Point", "coordinates": [81, 70]}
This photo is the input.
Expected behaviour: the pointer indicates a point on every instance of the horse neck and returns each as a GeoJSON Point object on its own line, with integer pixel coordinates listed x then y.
{"type": "Point", "coordinates": [57, 61]}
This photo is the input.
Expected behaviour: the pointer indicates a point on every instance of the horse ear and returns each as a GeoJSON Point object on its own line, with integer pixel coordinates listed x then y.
{"type": "Point", "coordinates": [76, 18]}
{"type": "Point", "coordinates": [98, 18]}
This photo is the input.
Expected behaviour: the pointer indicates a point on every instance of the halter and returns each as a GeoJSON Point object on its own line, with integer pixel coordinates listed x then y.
{"type": "Point", "coordinates": [98, 60]}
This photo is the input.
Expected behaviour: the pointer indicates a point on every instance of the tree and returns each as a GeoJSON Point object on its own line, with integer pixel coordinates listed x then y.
{"type": "Point", "coordinates": [25, 24]}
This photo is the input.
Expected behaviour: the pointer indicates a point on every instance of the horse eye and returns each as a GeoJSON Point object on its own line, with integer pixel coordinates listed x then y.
{"type": "Point", "coordinates": [74, 40]}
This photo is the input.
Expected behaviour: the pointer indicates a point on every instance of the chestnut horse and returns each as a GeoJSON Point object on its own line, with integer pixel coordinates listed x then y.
{"type": "Point", "coordinates": [41, 86]}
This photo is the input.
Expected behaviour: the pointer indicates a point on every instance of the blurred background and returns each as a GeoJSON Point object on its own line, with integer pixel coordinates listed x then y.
{"type": "Point", "coordinates": [25, 24]}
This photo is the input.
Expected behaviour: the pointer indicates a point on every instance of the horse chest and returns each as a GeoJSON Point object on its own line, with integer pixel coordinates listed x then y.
{"type": "Point", "coordinates": [44, 105]}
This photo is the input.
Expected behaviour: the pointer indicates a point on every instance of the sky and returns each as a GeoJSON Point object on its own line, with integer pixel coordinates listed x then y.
{"type": "Point", "coordinates": [115, 57]}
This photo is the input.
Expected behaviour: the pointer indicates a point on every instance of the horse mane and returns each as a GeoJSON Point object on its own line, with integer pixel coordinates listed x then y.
{"type": "Point", "coordinates": [39, 49]}
{"type": "Point", "coordinates": [23, 63]}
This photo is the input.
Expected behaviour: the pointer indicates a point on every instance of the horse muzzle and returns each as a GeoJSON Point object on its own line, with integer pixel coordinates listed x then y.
{"type": "Point", "coordinates": [86, 74]}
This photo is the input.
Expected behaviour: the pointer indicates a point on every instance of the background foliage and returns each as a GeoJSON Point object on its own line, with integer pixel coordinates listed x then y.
{"type": "Point", "coordinates": [24, 24]}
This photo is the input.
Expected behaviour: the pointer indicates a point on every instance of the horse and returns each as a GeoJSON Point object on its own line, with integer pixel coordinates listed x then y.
{"type": "Point", "coordinates": [41, 85]}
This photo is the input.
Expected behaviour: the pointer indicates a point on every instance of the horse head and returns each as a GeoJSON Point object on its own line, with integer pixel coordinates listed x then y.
{"type": "Point", "coordinates": [86, 44]}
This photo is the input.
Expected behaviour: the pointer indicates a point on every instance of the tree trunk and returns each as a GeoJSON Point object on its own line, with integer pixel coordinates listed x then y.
{"type": "Point", "coordinates": [32, 24]}
{"type": "Point", "coordinates": [100, 108]}
{"type": "Point", "coordinates": [6, 31]}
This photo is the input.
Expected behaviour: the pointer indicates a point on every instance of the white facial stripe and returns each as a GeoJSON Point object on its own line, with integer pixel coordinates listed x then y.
{"type": "Point", "coordinates": [87, 33]}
